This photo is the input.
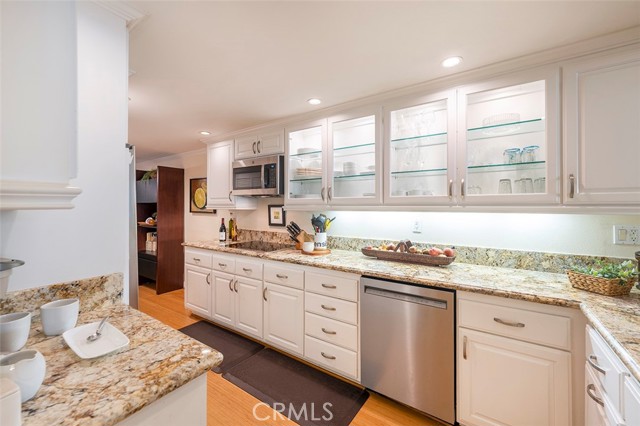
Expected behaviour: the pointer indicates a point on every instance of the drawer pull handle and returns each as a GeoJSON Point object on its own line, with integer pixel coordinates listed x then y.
{"type": "Point", "coordinates": [247, 270]}
{"type": "Point", "coordinates": [328, 286]}
{"type": "Point", "coordinates": [230, 282]}
{"type": "Point", "coordinates": [464, 347]}
{"type": "Point", "coordinates": [208, 276]}
{"type": "Point", "coordinates": [235, 286]}
{"type": "Point", "coordinates": [195, 259]}
{"type": "Point", "coordinates": [328, 308]}
{"type": "Point", "coordinates": [264, 294]}
{"type": "Point", "coordinates": [572, 185]}
{"type": "Point", "coordinates": [222, 265]}
{"type": "Point", "coordinates": [324, 330]}
{"type": "Point", "coordinates": [592, 360]}
{"type": "Point", "coordinates": [282, 277]}
{"type": "Point", "coordinates": [509, 323]}
{"type": "Point", "coordinates": [591, 391]}
{"type": "Point", "coordinates": [327, 356]}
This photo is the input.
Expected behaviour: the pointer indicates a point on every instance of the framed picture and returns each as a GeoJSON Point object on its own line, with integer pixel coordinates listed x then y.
{"type": "Point", "coordinates": [276, 215]}
{"type": "Point", "coordinates": [198, 196]}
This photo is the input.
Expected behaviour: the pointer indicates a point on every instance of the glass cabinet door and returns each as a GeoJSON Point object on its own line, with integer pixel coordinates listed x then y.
{"type": "Point", "coordinates": [508, 148]}
{"type": "Point", "coordinates": [305, 154]}
{"type": "Point", "coordinates": [419, 162]}
{"type": "Point", "coordinates": [353, 169]}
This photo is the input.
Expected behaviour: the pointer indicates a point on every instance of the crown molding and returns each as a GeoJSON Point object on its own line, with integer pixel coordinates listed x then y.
{"type": "Point", "coordinates": [124, 10]}
{"type": "Point", "coordinates": [23, 195]}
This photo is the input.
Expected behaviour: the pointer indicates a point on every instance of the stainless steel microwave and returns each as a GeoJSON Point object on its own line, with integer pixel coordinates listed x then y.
{"type": "Point", "coordinates": [259, 177]}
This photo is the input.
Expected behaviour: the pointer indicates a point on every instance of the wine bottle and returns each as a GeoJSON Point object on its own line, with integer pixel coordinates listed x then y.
{"type": "Point", "coordinates": [223, 232]}
{"type": "Point", "coordinates": [232, 229]}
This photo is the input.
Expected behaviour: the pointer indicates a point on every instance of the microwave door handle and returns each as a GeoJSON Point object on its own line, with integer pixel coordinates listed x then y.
{"type": "Point", "coordinates": [263, 182]}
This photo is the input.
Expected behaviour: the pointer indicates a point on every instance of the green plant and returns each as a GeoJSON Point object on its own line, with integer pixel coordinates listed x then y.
{"type": "Point", "coordinates": [623, 271]}
{"type": "Point", "coordinates": [151, 174]}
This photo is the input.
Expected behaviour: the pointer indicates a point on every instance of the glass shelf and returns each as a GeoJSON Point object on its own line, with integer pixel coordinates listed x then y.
{"type": "Point", "coordinates": [413, 138]}
{"type": "Point", "coordinates": [507, 167]}
{"type": "Point", "coordinates": [366, 175]}
{"type": "Point", "coordinates": [342, 148]}
{"type": "Point", "coordinates": [507, 129]}
{"type": "Point", "coordinates": [306, 154]}
{"type": "Point", "coordinates": [307, 179]}
{"type": "Point", "coordinates": [412, 173]}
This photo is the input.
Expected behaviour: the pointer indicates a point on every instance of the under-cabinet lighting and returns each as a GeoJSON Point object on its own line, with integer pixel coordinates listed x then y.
{"type": "Point", "coordinates": [205, 133]}
{"type": "Point", "coordinates": [314, 101]}
{"type": "Point", "coordinates": [452, 61]}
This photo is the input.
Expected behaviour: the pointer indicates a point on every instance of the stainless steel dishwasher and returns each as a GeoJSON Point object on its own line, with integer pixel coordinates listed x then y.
{"type": "Point", "coordinates": [407, 345]}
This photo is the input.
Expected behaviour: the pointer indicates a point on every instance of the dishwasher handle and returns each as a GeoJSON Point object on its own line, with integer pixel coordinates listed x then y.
{"type": "Point", "coordinates": [406, 297]}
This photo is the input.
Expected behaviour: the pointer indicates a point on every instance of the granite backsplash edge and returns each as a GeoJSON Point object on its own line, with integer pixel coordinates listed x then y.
{"type": "Point", "coordinates": [515, 259]}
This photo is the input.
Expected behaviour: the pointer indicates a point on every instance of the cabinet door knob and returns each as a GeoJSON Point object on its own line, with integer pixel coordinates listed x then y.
{"type": "Point", "coordinates": [592, 360]}
{"type": "Point", "coordinates": [462, 188]}
{"type": "Point", "coordinates": [254, 148]}
{"type": "Point", "coordinates": [258, 147]}
{"type": "Point", "coordinates": [264, 294]}
{"type": "Point", "coordinates": [591, 391]}
{"type": "Point", "coordinates": [207, 278]}
{"type": "Point", "coordinates": [450, 189]}
{"type": "Point", "coordinates": [509, 323]}
{"type": "Point", "coordinates": [230, 282]}
{"type": "Point", "coordinates": [235, 286]}
{"type": "Point", "coordinates": [572, 185]}
{"type": "Point", "coordinates": [322, 193]}
{"type": "Point", "coordinates": [327, 356]}
{"type": "Point", "coordinates": [230, 196]}
{"type": "Point", "coordinates": [329, 194]}
{"type": "Point", "coordinates": [464, 347]}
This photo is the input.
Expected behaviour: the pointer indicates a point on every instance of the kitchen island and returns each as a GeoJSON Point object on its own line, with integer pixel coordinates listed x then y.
{"type": "Point", "coordinates": [617, 319]}
{"type": "Point", "coordinates": [158, 362]}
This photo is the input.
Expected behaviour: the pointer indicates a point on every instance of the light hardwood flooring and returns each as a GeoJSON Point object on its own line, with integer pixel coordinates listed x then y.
{"type": "Point", "coordinates": [230, 405]}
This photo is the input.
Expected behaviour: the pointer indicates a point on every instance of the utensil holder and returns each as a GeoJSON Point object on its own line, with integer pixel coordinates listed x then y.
{"type": "Point", "coordinates": [320, 240]}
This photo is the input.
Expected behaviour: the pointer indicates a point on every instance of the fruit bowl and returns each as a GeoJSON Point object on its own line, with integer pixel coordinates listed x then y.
{"type": "Point", "coordinates": [420, 258]}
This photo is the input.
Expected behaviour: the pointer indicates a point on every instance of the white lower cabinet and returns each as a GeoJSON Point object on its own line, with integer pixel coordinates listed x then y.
{"type": "Point", "coordinates": [197, 290]}
{"type": "Point", "coordinates": [284, 317]}
{"type": "Point", "coordinates": [508, 382]}
{"type": "Point", "coordinates": [512, 371]}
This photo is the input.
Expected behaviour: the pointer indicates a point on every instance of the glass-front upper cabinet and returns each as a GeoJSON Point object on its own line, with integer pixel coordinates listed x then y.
{"type": "Point", "coordinates": [508, 141]}
{"type": "Point", "coordinates": [353, 171]}
{"type": "Point", "coordinates": [305, 148]}
{"type": "Point", "coordinates": [419, 150]}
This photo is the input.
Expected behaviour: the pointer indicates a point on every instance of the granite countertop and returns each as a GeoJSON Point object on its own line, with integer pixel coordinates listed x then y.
{"type": "Point", "coordinates": [617, 319]}
{"type": "Point", "coordinates": [106, 390]}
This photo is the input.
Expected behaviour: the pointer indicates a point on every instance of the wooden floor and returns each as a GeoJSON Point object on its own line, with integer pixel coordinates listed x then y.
{"type": "Point", "coordinates": [230, 405]}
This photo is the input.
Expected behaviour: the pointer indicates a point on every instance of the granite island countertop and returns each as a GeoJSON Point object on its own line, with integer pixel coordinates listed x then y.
{"type": "Point", "coordinates": [617, 319]}
{"type": "Point", "coordinates": [108, 389]}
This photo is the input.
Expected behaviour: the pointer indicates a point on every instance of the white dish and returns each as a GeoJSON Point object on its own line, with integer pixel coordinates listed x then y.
{"type": "Point", "coordinates": [111, 340]}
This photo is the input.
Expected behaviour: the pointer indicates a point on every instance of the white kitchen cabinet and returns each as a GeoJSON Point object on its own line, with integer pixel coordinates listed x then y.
{"type": "Point", "coordinates": [248, 306]}
{"type": "Point", "coordinates": [219, 179]}
{"type": "Point", "coordinates": [335, 161]}
{"type": "Point", "coordinates": [631, 398]}
{"type": "Point", "coordinates": [507, 148]}
{"type": "Point", "coordinates": [504, 381]}
{"type": "Point", "coordinates": [267, 142]}
{"type": "Point", "coordinates": [594, 412]}
{"type": "Point", "coordinates": [284, 317]}
{"type": "Point", "coordinates": [419, 160]}
{"type": "Point", "coordinates": [223, 298]}
{"type": "Point", "coordinates": [602, 129]}
{"type": "Point", "coordinates": [197, 290]}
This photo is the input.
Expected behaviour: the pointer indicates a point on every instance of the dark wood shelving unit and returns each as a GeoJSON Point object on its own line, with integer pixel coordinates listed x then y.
{"type": "Point", "coordinates": [165, 265]}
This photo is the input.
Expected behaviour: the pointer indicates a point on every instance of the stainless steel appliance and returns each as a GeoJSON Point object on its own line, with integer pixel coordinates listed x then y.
{"type": "Point", "coordinates": [407, 343]}
{"type": "Point", "coordinates": [259, 177]}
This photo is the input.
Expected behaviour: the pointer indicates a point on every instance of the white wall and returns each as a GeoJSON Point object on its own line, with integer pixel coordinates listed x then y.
{"type": "Point", "coordinates": [588, 234]}
{"type": "Point", "coordinates": [92, 238]}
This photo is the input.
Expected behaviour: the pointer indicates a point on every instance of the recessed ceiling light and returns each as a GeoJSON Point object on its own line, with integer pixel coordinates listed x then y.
{"type": "Point", "coordinates": [452, 61]}
{"type": "Point", "coordinates": [314, 101]}
{"type": "Point", "coordinates": [205, 133]}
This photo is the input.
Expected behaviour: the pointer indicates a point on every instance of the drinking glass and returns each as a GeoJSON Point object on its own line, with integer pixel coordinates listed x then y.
{"type": "Point", "coordinates": [504, 186]}
{"type": "Point", "coordinates": [511, 155]}
{"type": "Point", "coordinates": [527, 185]}
{"type": "Point", "coordinates": [540, 184]}
{"type": "Point", "coordinates": [529, 153]}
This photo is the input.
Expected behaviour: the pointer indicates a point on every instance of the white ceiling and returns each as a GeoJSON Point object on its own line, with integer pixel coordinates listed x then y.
{"type": "Point", "coordinates": [225, 66]}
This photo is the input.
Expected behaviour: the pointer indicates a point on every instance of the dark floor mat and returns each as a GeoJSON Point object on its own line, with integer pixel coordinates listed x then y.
{"type": "Point", "coordinates": [233, 347]}
{"type": "Point", "coordinates": [301, 393]}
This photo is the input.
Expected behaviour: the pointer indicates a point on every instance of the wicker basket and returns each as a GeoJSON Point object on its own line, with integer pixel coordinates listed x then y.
{"type": "Point", "coordinates": [606, 286]}
{"type": "Point", "coordinates": [423, 259]}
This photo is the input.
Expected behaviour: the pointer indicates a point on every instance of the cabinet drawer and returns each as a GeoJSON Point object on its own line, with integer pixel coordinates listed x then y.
{"type": "Point", "coordinates": [331, 331]}
{"type": "Point", "coordinates": [331, 308]}
{"type": "Point", "coordinates": [334, 357]}
{"type": "Point", "coordinates": [147, 268]}
{"type": "Point", "coordinates": [530, 326]}
{"type": "Point", "coordinates": [224, 264]}
{"type": "Point", "coordinates": [331, 285]}
{"type": "Point", "coordinates": [249, 269]}
{"type": "Point", "coordinates": [606, 367]}
{"type": "Point", "coordinates": [285, 276]}
{"type": "Point", "coordinates": [631, 397]}
{"type": "Point", "coordinates": [198, 257]}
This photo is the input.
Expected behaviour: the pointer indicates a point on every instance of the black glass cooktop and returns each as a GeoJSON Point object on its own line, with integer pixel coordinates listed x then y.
{"type": "Point", "coordinates": [260, 246]}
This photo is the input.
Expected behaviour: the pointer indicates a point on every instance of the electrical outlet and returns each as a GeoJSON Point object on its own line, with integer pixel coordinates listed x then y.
{"type": "Point", "coordinates": [626, 234]}
{"type": "Point", "coordinates": [417, 227]}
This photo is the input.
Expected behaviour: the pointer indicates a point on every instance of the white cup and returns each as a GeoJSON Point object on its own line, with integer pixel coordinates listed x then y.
{"type": "Point", "coordinates": [59, 316]}
{"type": "Point", "coordinates": [308, 246]}
{"type": "Point", "coordinates": [26, 369]}
{"type": "Point", "coordinates": [14, 331]}
{"type": "Point", "coordinates": [320, 240]}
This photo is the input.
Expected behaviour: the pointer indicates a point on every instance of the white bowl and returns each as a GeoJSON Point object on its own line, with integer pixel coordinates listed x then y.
{"type": "Point", "coordinates": [59, 316]}
{"type": "Point", "coordinates": [308, 246]}
{"type": "Point", "coordinates": [26, 369]}
{"type": "Point", "coordinates": [14, 331]}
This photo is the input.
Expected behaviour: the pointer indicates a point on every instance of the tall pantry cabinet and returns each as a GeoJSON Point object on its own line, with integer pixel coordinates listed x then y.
{"type": "Point", "coordinates": [164, 195]}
